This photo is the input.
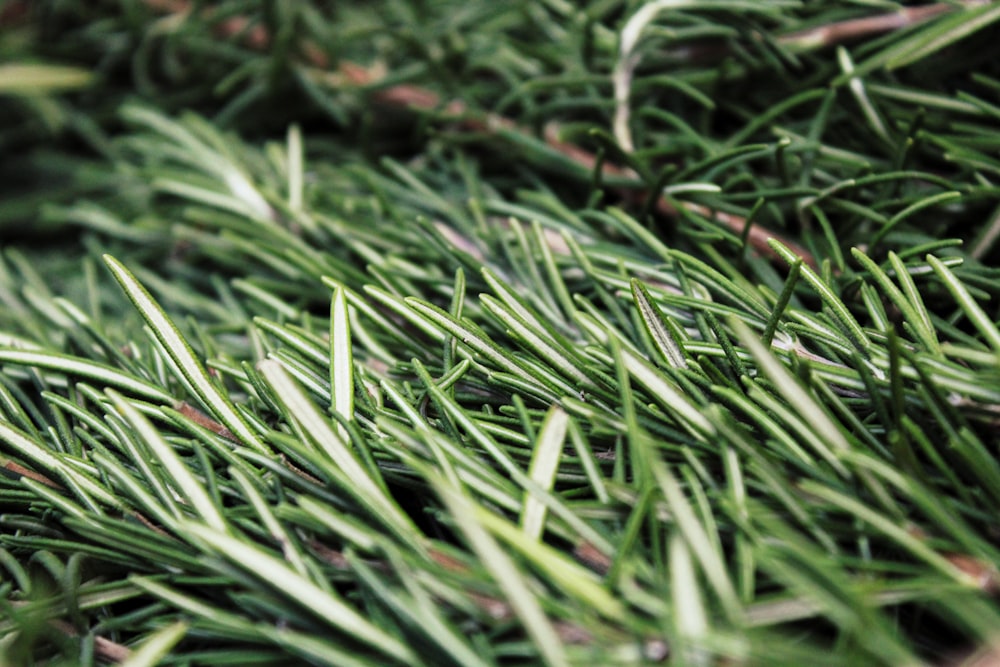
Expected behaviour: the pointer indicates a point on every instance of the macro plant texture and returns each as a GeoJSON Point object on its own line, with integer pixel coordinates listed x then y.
{"type": "Point", "coordinates": [499, 333]}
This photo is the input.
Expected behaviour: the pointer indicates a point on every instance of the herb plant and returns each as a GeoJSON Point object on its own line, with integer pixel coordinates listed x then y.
{"type": "Point", "coordinates": [485, 333]}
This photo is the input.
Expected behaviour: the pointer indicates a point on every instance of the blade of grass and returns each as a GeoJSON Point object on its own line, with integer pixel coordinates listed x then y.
{"type": "Point", "coordinates": [190, 487]}
{"type": "Point", "coordinates": [157, 646]}
{"type": "Point", "coordinates": [183, 357]}
{"type": "Point", "coordinates": [545, 457]}
{"type": "Point", "coordinates": [325, 605]}
{"type": "Point", "coordinates": [319, 429]}
{"type": "Point", "coordinates": [341, 360]}
{"type": "Point", "coordinates": [967, 303]}
{"type": "Point", "coordinates": [505, 573]}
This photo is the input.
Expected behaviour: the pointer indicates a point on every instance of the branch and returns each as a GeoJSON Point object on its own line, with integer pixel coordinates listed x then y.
{"type": "Point", "coordinates": [416, 98]}
{"type": "Point", "coordinates": [408, 96]}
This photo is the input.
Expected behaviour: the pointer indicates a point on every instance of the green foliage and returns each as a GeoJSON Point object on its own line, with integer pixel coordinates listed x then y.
{"type": "Point", "coordinates": [290, 373]}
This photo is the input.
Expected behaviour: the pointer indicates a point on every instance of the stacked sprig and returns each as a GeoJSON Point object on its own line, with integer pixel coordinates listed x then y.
{"type": "Point", "coordinates": [457, 368]}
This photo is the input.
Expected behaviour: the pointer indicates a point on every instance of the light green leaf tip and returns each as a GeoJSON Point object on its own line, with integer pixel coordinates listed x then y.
{"type": "Point", "coordinates": [183, 356]}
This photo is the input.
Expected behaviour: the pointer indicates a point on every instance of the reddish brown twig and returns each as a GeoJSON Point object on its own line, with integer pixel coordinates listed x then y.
{"type": "Point", "coordinates": [103, 648]}
{"type": "Point", "coordinates": [592, 557]}
{"type": "Point", "coordinates": [828, 35]}
{"type": "Point", "coordinates": [421, 99]}
{"type": "Point", "coordinates": [21, 471]}
{"type": "Point", "coordinates": [840, 32]}
{"type": "Point", "coordinates": [416, 98]}
{"type": "Point", "coordinates": [201, 419]}
{"type": "Point", "coordinates": [983, 574]}
{"type": "Point", "coordinates": [409, 96]}
{"type": "Point", "coordinates": [986, 656]}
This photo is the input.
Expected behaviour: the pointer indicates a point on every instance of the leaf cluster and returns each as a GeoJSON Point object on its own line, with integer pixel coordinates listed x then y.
{"type": "Point", "coordinates": [269, 399]}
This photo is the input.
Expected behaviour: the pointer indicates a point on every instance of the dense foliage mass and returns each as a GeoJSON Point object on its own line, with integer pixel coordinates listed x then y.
{"type": "Point", "coordinates": [499, 333]}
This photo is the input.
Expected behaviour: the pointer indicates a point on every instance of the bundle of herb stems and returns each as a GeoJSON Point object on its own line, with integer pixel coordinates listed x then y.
{"type": "Point", "coordinates": [477, 333]}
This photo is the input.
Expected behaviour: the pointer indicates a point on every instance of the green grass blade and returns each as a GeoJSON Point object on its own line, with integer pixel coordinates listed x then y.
{"type": "Point", "coordinates": [325, 605]}
{"type": "Point", "coordinates": [967, 303]}
{"type": "Point", "coordinates": [544, 464]}
{"type": "Point", "coordinates": [341, 360]}
{"type": "Point", "coordinates": [505, 574]}
{"type": "Point", "coordinates": [157, 646]}
{"type": "Point", "coordinates": [180, 474]}
{"type": "Point", "coordinates": [96, 372]}
{"type": "Point", "coordinates": [183, 356]}
{"type": "Point", "coordinates": [664, 339]}
{"type": "Point", "coordinates": [320, 430]}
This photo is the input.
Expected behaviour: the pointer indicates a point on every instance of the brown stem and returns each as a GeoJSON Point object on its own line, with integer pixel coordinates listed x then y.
{"type": "Point", "coordinates": [421, 99]}
{"type": "Point", "coordinates": [104, 649]}
{"type": "Point", "coordinates": [21, 471]}
{"type": "Point", "coordinates": [825, 36]}
{"type": "Point", "coordinates": [831, 34]}
{"type": "Point", "coordinates": [201, 419]}
{"type": "Point", "coordinates": [982, 573]}
{"type": "Point", "coordinates": [414, 97]}
{"type": "Point", "coordinates": [592, 557]}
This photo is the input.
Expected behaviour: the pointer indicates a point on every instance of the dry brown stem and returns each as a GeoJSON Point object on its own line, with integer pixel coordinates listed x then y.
{"type": "Point", "coordinates": [21, 471]}
{"type": "Point", "coordinates": [103, 648]}
{"type": "Point", "coordinates": [201, 419]}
